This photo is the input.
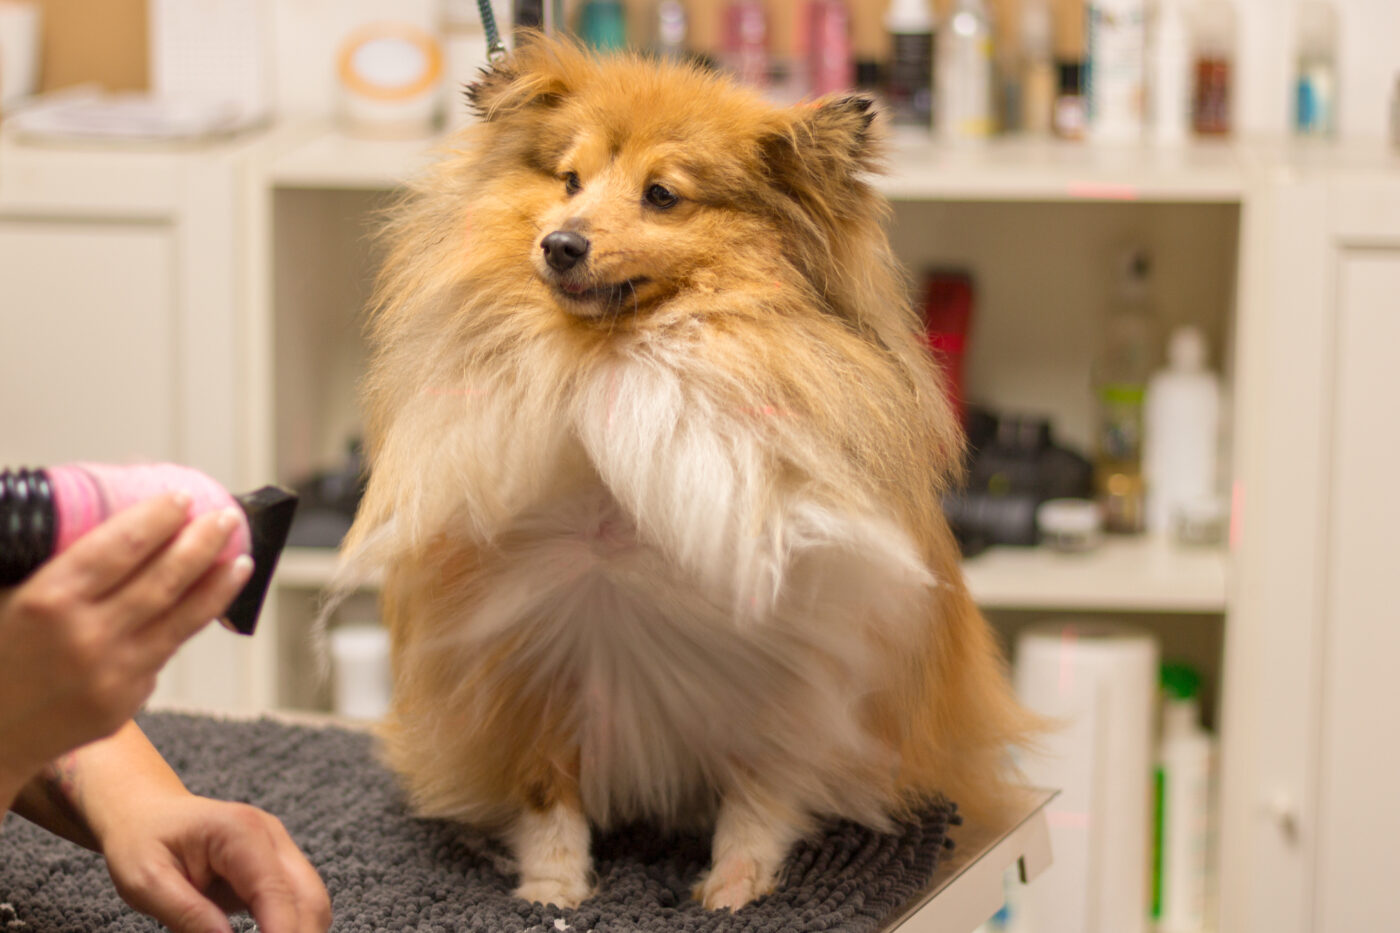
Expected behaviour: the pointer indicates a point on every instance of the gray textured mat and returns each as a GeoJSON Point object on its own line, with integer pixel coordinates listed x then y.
{"type": "Point", "coordinates": [387, 871]}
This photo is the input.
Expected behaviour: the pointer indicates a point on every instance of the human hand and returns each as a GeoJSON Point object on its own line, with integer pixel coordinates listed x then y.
{"type": "Point", "coordinates": [186, 860]}
{"type": "Point", "coordinates": [81, 641]}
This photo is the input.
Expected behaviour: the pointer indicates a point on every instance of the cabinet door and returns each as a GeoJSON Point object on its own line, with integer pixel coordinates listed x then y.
{"type": "Point", "coordinates": [87, 337]}
{"type": "Point", "coordinates": [1358, 815]}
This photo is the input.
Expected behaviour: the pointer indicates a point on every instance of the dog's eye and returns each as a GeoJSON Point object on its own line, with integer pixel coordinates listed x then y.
{"type": "Point", "coordinates": [661, 196]}
{"type": "Point", "coordinates": [571, 183]}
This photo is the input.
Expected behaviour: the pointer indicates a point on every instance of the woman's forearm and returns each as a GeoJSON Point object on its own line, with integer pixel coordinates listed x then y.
{"type": "Point", "coordinates": [49, 801]}
{"type": "Point", "coordinates": [81, 793]}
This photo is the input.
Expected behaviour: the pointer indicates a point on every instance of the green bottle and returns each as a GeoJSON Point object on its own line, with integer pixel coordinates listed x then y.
{"type": "Point", "coordinates": [603, 25]}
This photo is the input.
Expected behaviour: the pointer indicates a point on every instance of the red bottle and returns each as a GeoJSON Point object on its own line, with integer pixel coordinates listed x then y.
{"type": "Point", "coordinates": [949, 299]}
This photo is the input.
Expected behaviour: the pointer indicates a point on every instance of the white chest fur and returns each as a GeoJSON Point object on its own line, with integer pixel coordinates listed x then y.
{"type": "Point", "coordinates": [670, 692]}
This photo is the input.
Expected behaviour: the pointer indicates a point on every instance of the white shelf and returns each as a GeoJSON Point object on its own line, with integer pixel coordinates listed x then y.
{"type": "Point", "coordinates": [1124, 575]}
{"type": "Point", "coordinates": [919, 168]}
{"type": "Point", "coordinates": [327, 158]}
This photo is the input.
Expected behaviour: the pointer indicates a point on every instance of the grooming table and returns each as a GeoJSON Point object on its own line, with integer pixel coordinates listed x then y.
{"type": "Point", "coordinates": [388, 871]}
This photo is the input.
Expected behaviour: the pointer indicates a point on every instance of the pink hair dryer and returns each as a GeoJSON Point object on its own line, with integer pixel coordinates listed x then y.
{"type": "Point", "coordinates": [43, 511]}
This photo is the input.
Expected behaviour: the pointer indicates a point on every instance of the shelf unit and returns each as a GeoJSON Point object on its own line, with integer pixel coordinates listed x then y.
{"type": "Point", "coordinates": [1037, 222]}
{"type": "Point", "coordinates": [968, 203]}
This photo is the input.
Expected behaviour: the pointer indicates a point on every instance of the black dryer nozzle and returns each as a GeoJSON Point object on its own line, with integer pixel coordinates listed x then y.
{"type": "Point", "coordinates": [269, 510]}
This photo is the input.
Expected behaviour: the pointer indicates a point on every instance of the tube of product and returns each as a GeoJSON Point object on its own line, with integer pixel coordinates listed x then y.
{"type": "Point", "coordinates": [44, 511]}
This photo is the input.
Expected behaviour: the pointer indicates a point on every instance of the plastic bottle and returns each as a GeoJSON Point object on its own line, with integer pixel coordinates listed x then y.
{"type": "Point", "coordinates": [1213, 67]}
{"type": "Point", "coordinates": [964, 73]}
{"type": "Point", "coordinates": [1182, 806]}
{"type": "Point", "coordinates": [1071, 117]}
{"type": "Point", "coordinates": [670, 36]}
{"type": "Point", "coordinates": [910, 24]}
{"type": "Point", "coordinates": [1315, 108]}
{"type": "Point", "coordinates": [746, 41]}
{"type": "Point", "coordinates": [603, 25]}
{"type": "Point", "coordinates": [1117, 52]}
{"type": "Point", "coordinates": [1181, 425]}
{"type": "Point", "coordinates": [1038, 77]}
{"type": "Point", "coordinates": [1168, 84]}
{"type": "Point", "coordinates": [830, 67]}
{"type": "Point", "coordinates": [1120, 381]}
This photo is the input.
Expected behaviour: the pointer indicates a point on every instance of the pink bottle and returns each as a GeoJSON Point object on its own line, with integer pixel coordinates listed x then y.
{"type": "Point", "coordinates": [830, 67]}
{"type": "Point", "coordinates": [746, 42]}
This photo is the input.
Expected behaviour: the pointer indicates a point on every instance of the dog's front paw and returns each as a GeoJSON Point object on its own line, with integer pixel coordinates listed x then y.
{"type": "Point", "coordinates": [560, 893]}
{"type": "Point", "coordinates": [733, 882]}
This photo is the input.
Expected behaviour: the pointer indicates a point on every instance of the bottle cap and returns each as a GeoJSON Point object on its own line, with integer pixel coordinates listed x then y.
{"type": "Point", "coordinates": [1180, 681]}
{"type": "Point", "coordinates": [1187, 349]}
{"type": "Point", "coordinates": [1068, 517]}
{"type": "Point", "coordinates": [909, 16]}
{"type": "Point", "coordinates": [1071, 77]}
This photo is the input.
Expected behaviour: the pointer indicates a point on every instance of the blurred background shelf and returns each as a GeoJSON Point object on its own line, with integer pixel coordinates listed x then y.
{"type": "Point", "coordinates": [1124, 575]}
{"type": "Point", "coordinates": [918, 168]}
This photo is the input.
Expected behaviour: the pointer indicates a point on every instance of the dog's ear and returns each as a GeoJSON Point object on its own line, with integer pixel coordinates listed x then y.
{"type": "Point", "coordinates": [535, 76]}
{"type": "Point", "coordinates": [828, 141]}
{"type": "Point", "coordinates": [818, 151]}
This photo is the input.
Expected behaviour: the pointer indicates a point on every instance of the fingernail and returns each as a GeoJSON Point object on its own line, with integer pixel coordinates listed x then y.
{"type": "Point", "coordinates": [242, 566]}
{"type": "Point", "coordinates": [183, 499]}
{"type": "Point", "coordinates": [228, 518]}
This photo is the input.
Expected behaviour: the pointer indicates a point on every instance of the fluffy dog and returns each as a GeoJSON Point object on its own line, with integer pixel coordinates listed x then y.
{"type": "Point", "coordinates": [656, 455]}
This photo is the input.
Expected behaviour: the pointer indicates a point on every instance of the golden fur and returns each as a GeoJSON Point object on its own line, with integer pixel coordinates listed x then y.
{"type": "Point", "coordinates": [708, 490]}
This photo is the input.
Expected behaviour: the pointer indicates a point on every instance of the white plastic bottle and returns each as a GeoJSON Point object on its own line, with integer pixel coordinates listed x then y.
{"type": "Point", "coordinates": [1181, 426]}
{"type": "Point", "coordinates": [1117, 48]}
{"type": "Point", "coordinates": [1168, 73]}
{"type": "Point", "coordinates": [963, 85]}
{"type": "Point", "coordinates": [1182, 807]}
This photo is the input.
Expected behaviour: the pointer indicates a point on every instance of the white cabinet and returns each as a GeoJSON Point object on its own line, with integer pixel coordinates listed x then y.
{"type": "Point", "coordinates": [122, 310]}
{"type": "Point", "coordinates": [88, 342]}
{"type": "Point", "coordinates": [1357, 815]}
{"type": "Point", "coordinates": [1310, 816]}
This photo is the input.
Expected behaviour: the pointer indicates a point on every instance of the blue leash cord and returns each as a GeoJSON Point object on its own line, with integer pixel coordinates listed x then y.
{"type": "Point", "coordinates": [495, 48]}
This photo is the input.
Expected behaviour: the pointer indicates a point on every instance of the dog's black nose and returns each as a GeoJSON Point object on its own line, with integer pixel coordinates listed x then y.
{"type": "Point", "coordinates": [564, 249]}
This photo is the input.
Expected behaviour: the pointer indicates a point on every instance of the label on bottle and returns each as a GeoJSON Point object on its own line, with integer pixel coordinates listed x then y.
{"type": "Point", "coordinates": [911, 78]}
